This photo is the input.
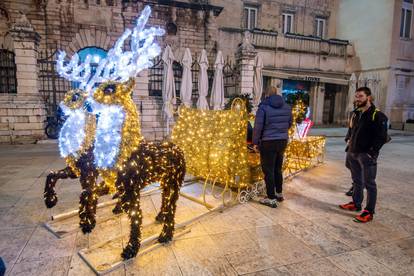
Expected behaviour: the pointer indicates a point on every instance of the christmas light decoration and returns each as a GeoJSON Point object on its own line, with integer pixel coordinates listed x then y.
{"type": "Point", "coordinates": [152, 162]}
{"type": "Point", "coordinates": [119, 153]}
{"type": "Point", "coordinates": [214, 145]}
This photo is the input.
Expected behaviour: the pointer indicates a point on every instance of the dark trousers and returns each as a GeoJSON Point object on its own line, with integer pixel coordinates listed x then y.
{"type": "Point", "coordinates": [271, 159]}
{"type": "Point", "coordinates": [364, 171]}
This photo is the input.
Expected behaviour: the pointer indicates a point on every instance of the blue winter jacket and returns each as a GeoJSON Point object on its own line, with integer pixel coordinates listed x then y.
{"type": "Point", "coordinates": [273, 120]}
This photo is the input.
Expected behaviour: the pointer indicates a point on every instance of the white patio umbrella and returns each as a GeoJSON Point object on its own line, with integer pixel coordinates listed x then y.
{"type": "Point", "coordinates": [352, 87]}
{"type": "Point", "coordinates": [362, 79]}
{"type": "Point", "coordinates": [203, 82]}
{"type": "Point", "coordinates": [217, 91]}
{"type": "Point", "coordinates": [168, 86]}
{"type": "Point", "coordinates": [257, 80]}
{"type": "Point", "coordinates": [375, 88]}
{"type": "Point", "coordinates": [186, 88]}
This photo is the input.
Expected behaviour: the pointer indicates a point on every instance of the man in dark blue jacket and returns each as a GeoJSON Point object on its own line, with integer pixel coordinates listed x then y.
{"type": "Point", "coordinates": [270, 136]}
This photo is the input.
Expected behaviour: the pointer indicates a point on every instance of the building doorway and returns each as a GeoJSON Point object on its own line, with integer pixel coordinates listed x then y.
{"type": "Point", "coordinates": [330, 102]}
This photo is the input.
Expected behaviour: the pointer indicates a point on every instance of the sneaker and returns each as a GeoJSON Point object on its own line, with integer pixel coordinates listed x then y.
{"type": "Point", "coordinates": [350, 207]}
{"type": "Point", "coordinates": [350, 192]}
{"type": "Point", "coordinates": [268, 202]}
{"type": "Point", "coordinates": [279, 198]}
{"type": "Point", "coordinates": [365, 216]}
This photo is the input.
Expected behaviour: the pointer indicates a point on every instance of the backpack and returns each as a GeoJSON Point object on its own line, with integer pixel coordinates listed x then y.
{"type": "Point", "coordinates": [388, 139]}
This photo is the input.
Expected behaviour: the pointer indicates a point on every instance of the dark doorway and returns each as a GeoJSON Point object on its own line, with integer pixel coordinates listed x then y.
{"type": "Point", "coordinates": [329, 103]}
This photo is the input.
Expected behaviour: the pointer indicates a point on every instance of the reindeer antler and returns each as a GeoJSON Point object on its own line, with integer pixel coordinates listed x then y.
{"type": "Point", "coordinates": [119, 65]}
{"type": "Point", "coordinates": [73, 71]}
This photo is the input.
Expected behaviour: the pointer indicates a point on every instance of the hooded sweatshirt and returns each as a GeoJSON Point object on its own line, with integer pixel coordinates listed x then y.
{"type": "Point", "coordinates": [273, 120]}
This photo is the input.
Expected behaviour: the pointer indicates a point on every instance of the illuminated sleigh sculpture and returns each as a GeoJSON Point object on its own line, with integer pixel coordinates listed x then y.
{"type": "Point", "coordinates": [214, 145]}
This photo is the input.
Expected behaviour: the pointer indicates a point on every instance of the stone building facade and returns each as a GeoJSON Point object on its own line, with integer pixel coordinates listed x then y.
{"type": "Point", "coordinates": [297, 40]}
{"type": "Point", "coordinates": [383, 40]}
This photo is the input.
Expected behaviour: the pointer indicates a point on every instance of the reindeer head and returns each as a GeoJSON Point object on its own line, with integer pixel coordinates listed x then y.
{"type": "Point", "coordinates": [109, 90]}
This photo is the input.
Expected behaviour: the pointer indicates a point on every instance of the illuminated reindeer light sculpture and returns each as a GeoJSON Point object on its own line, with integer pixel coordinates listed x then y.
{"type": "Point", "coordinates": [119, 150]}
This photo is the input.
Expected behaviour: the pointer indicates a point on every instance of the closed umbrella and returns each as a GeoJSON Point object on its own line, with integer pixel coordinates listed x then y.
{"type": "Point", "coordinates": [257, 80]}
{"type": "Point", "coordinates": [376, 90]}
{"type": "Point", "coordinates": [186, 88]}
{"type": "Point", "coordinates": [362, 79]}
{"type": "Point", "coordinates": [217, 91]}
{"type": "Point", "coordinates": [352, 87]}
{"type": "Point", "coordinates": [203, 82]}
{"type": "Point", "coordinates": [168, 86]}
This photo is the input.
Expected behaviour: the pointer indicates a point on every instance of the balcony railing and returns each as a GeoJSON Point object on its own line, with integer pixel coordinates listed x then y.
{"type": "Point", "coordinates": [272, 40]}
{"type": "Point", "coordinates": [300, 43]}
{"type": "Point", "coordinates": [264, 39]}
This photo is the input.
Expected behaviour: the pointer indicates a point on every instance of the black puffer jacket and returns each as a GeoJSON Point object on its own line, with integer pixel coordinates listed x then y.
{"type": "Point", "coordinates": [367, 132]}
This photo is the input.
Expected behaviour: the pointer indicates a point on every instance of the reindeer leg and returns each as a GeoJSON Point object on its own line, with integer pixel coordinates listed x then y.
{"type": "Point", "coordinates": [135, 216]}
{"type": "Point", "coordinates": [120, 190]}
{"type": "Point", "coordinates": [88, 200]}
{"type": "Point", "coordinates": [49, 194]}
{"type": "Point", "coordinates": [174, 184]}
{"type": "Point", "coordinates": [168, 227]}
{"type": "Point", "coordinates": [164, 202]}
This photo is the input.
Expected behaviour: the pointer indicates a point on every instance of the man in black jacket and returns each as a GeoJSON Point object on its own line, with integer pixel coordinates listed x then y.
{"type": "Point", "coordinates": [367, 133]}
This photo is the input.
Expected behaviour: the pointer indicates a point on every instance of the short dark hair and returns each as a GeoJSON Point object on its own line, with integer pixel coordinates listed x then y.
{"type": "Point", "coordinates": [364, 89]}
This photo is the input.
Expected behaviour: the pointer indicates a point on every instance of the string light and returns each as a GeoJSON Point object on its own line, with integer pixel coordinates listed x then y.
{"type": "Point", "coordinates": [214, 144]}
{"type": "Point", "coordinates": [120, 154]}
{"type": "Point", "coordinates": [119, 65]}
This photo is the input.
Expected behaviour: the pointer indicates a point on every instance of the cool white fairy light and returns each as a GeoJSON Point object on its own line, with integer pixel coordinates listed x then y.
{"type": "Point", "coordinates": [72, 133]}
{"type": "Point", "coordinates": [108, 134]}
{"type": "Point", "coordinates": [119, 65]}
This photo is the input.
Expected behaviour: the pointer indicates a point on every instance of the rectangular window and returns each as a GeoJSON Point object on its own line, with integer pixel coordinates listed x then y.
{"type": "Point", "coordinates": [406, 19]}
{"type": "Point", "coordinates": [320, 27]}
{"type": "Point", "coordinates": [8, 81]}
{"type": "Point", "coordinates": [287, 23]}
{"type": "Point", "coordinates": [250, 17]}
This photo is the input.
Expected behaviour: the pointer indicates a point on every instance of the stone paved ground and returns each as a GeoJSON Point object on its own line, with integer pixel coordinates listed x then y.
{"type": "Point", "coordinates": [306, 234]}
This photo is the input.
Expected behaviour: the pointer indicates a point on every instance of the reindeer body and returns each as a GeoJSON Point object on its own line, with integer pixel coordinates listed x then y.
{"type": "Point", "coordinates": [152, 162]}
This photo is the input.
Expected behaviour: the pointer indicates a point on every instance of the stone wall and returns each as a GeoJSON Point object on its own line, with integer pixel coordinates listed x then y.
{"type": "Point", "coordinates": [22, 115]}
{"type": "Point", "coordinates": [75, 24]}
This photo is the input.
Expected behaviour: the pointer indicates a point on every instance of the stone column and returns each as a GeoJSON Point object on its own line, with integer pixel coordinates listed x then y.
{"type": "Point", "coordinates": [245, 64]}
{"type": "Point", "coordinates": [141, 84]}
{"type": "Point", "coordinates": [25, 44]}
{"type": "Point", "coordinates": [25, 110]}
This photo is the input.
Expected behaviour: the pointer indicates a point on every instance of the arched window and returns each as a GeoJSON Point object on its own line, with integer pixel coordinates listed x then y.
{"type": "Point", "coordinates": [96, 53]}
{"type": "Point", "coordinates": [8, 81]}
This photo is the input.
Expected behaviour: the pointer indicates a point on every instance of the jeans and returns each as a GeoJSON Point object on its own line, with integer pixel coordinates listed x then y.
{"type": "Point", "coordinates": [271, 159]}
{"type": "Point", "coordinates": [364, 171]}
